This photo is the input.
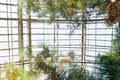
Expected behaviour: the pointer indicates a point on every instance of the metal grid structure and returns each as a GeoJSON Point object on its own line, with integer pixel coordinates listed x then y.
{"type": "Point", "coordinates": [97, 41]}
{"type": "Point", "coordinates": [18, 30]}
{"type": "Point", "coordinates": [9, 47]}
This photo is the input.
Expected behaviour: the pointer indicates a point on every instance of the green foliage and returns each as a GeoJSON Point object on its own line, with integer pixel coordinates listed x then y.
{"type": "Point", "coordinates": [66, 9]}
{"type": "Point", "coordinates": [116, 40]}
{"type": "Point", "coordinates": [30, 5]}
{"type": "Point", "coordinates": [78, 74]}
{"type": "Point", "coordinates": [81, 4]}
{"type": "Point", "coordinates": [69, 9]}
{"type": "Point", "coordinates": [97, 4]}
{"type": "Point", "coordinates": [72, 55]}
{"type": "Point", "coordinates": [111, 66]}
{"type": "Point", "coordinates": [46, 62]}
{"type": "Point", "coordinates": [12, 72]}
{"type": "Point", "coordinates": [110, 61]}
{"type": "Point", "coordinates": [52, 9]}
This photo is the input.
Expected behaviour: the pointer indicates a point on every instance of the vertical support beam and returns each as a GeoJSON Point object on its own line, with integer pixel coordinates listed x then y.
{"type": "Point", "coordinates": [83, 38]}
{"type": "Point", "coordinates": [29, 38]}
{"type": "Point", "coordinates": [84, 56]}
{"type": "Point", "coordinates": [8, 32]}
{"type": "Point", "coordinates": [20, 33]}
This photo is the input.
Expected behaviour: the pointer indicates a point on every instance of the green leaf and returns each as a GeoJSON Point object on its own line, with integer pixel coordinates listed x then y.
{"type": "Point", "coordinates": [80, 5]}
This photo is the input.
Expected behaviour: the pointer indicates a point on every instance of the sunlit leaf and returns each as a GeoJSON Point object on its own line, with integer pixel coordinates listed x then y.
{"type": "Point", "coordinates": [80, 5]}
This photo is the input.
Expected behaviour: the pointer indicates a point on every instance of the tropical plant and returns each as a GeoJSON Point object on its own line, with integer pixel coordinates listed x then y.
{"type": "Point", "coordinates": [47, 63]}
{"type": "Point", "coordinates": [77, 74]}
{"type": "Point", "coordinates": [70, 9]}
{"type": "Point", "coordinates": [110, 66]}
{"type": "Point", "coordinates": [56, 68]}
{"type": "Point", "coordinates": [110, 61]}
{"type": "Point", "coordinates": [66, 9]}
{"type": "Point", "coordinates": [10, 71]}
{"type": "Point", "coordinates": [116, 41]}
